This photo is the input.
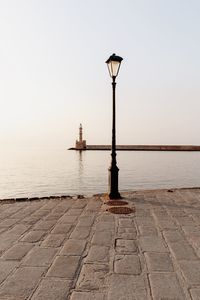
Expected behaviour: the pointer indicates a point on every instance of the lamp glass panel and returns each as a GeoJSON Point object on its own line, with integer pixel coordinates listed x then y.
{"type": "Point", "coordinates": [109, 68]}
{"type": "Point", "coordinates": [115, 67]}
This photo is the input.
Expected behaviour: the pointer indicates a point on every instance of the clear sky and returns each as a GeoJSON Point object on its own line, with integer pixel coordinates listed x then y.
{"type": "Point", "coordinates": [53, 74]}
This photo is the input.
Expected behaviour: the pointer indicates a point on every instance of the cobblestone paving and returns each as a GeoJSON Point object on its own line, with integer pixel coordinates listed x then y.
{"type": "Point", "coordinates": [74, 249]}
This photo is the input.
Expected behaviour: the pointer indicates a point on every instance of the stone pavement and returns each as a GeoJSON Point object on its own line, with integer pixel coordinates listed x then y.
{"type": "Point", "coordinates": [73, 249]}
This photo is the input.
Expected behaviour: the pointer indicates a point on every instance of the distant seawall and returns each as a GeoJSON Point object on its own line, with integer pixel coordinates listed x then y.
{"type": "Point", "coordinates": [142, 147]}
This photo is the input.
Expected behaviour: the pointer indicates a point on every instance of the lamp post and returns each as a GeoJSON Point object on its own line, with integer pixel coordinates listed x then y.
{"type": "Point", "coordinates": [113, 64]}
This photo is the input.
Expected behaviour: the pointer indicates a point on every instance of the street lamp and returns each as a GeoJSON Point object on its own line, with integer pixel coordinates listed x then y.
{"type": "Point", "coordinates": [113, 64]}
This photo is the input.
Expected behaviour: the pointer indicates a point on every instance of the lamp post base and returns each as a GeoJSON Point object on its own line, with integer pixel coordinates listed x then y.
{"type": "Point", "coordinates": [113, 183]}
{"type": "Point", "coordinates": [115, 196]}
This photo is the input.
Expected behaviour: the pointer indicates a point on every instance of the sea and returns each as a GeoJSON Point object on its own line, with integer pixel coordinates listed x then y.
{"type": "Point", "coordinates": [55, 172]}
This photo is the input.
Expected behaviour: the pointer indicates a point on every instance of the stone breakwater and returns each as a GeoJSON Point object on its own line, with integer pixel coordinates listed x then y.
{"type": "Point", "coordinates": [141, 147]}
{"type": "Point", "coordinates": [74, 248]}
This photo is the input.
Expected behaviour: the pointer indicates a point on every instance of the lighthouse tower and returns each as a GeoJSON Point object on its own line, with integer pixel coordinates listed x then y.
{"type": "Point", "coordinates": [80, 144]}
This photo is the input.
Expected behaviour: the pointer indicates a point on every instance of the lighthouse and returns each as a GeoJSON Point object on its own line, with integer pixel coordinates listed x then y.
{"type": "Point", "coordinates": [80, 144]}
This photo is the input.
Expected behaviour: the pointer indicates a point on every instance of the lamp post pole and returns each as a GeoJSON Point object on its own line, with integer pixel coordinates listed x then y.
{"type": "Point", "coordinates": [113, 66]}
{"type": "Point", "coordinates": [114, 193]}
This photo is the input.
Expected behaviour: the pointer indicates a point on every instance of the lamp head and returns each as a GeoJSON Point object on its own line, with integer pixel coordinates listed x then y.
{"type": "Point", "coordinates": [113, 64]}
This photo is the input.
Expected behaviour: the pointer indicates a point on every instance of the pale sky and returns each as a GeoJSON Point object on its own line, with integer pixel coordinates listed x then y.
{"type": "Point", "coordinates": [53, 74]}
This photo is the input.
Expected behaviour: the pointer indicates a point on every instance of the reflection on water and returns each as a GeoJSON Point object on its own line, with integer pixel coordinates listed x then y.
{"type": "Point", "coordinates": [61, 172]}
{"type": "Point", "coordinates": [80, 169]}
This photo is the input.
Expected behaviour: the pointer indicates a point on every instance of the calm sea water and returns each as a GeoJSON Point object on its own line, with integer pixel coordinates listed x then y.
{"type": "Point", "coordinates": [28, 173]}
